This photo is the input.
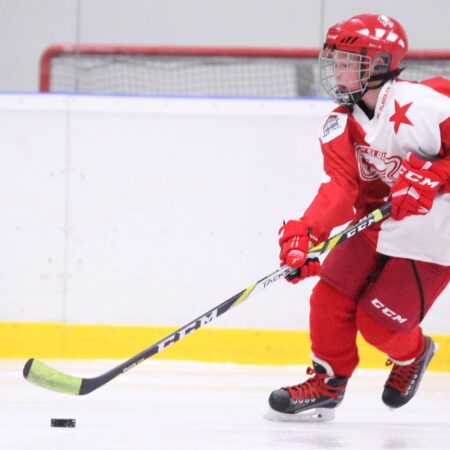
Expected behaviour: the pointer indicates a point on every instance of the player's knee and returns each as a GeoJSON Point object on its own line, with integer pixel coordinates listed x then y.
{"type": "Point", "coordinates": [318, 297]}
{"type": "Point", "coordinates": [375, 332]}
{"type": "Point", "coordinates": [372, 331]}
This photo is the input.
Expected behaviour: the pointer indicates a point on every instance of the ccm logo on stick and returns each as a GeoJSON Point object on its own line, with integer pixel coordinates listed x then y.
{"type": "Point", "coordinates": [388, 312]}
{"type": "Point", "coordinates": [189, 328]}
{"type": "Point", "coordinates": [361, 227]}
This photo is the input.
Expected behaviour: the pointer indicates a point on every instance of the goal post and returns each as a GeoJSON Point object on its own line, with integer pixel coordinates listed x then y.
{"type": "Point", "coordinates": [201, 71]}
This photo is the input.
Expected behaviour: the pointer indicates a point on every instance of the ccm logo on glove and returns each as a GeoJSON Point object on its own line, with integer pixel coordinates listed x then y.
{"type": "Point", "coordinates": [417, 178]}
{"type": "Point", "coordinates": [416, 187]}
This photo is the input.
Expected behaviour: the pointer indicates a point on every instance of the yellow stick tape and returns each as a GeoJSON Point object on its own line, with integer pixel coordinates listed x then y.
{"type": "Point", "coordinates": [244, 346]}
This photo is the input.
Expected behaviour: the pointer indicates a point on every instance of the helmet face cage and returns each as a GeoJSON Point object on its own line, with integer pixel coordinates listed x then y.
{"type": "Point", "coordinates": [341, 64]}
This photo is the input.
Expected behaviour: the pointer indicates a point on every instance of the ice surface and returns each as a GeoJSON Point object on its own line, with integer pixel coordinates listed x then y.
{"type": "Point", "coordinates": [171, 405]}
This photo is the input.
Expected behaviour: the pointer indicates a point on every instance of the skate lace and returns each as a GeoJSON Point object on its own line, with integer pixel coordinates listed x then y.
{"type": "Point", "coordinates": [313, 388]}
{"type": "Point", "coordinates": [402, 377]}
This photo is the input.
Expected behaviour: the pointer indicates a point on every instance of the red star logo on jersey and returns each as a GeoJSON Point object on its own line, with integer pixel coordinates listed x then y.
{"type": "Point", "coordinates": [399, 116]}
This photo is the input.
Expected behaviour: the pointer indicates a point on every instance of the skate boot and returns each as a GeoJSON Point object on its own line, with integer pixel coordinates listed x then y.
{"type": "Point", "coordinates": [404, 379]}
{"type": "Point", "coordinates": [312, 400]}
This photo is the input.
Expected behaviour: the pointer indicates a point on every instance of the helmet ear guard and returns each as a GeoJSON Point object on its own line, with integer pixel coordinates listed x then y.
{"type": "Point", "coordinates": [382, 65]}
{"type": "Point", "coordinates": [382, 62]}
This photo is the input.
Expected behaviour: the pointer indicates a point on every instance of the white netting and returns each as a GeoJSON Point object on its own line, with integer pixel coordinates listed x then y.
{"type": "Point", "coordinates": [426, 68]}
{"type": "Point", "coordinates": [187, 75]}
{"type": "Point", "coordinates": [242, 76]}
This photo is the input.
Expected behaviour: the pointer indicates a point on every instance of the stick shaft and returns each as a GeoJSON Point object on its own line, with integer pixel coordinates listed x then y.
{"type": "Point", "coordinates": [47, 377]}
{"type": "Point", "coordinates": [189, 328]}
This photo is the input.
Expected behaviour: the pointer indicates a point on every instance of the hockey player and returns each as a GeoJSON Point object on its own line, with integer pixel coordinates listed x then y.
{"type": "Point", "coordinates": [387, 140]}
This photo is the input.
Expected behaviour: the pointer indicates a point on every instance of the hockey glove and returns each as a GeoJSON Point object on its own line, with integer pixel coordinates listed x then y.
{"type": "Point", "coordinates": [311, 268]}
{"type": "Point", "coordinates": [416, 187]}
{"type": "Point", "coordinates": [294, 239]}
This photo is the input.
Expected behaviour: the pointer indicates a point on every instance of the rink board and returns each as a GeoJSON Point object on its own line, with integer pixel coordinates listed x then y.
{"type": "Point", "coordinates": [126, 216]}
{"type": "Point", "coordinates": [221, 345]}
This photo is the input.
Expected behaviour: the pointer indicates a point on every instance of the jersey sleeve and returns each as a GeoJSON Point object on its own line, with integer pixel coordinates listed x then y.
{"type": "Point", "coordinates": [442, 86]}
{"type": "Point", "coordinates": [334, 203]}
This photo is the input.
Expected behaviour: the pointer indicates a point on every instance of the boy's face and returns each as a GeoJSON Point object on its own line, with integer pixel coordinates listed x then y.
{"type": "Point", "coordinates": [348, 71]}
{"type": "Point", "coordinates": [344, 75]}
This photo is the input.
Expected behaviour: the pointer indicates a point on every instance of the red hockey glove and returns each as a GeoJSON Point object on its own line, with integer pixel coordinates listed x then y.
{"type": "Point", "coordinates": [294, 240]}
{"type": "Point", "coordinates": [311, 268]}
{"type": "Point", "coordinates": [416, 187]}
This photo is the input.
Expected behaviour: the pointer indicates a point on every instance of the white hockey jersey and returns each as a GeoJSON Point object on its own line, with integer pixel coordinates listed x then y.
{"type": "Point", "coordinates": [362, 158]}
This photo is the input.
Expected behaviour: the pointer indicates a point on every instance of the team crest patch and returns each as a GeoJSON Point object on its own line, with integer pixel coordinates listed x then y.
{"type": "Point", "coordinates": [333, 126]}
{"type": "Point", "coordinates": [374, 164]}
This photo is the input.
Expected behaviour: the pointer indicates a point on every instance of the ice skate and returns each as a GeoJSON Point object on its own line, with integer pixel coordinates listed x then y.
{"type": "Point", "coordinates": [404, 379]}
{"type": "Point", "coordinates": [313, 400]}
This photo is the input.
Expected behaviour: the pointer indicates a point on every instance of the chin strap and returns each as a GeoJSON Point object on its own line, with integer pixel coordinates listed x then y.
{"type": "Point", "coordinates": [383, 78]}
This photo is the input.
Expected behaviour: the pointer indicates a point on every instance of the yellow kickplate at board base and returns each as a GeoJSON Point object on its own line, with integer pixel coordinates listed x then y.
{"type": "Point", "coordinates": [209, 344]}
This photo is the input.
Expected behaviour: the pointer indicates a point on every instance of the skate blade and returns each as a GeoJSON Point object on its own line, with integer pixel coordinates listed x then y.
{"type": "Point", "coordinates": [312, 415]}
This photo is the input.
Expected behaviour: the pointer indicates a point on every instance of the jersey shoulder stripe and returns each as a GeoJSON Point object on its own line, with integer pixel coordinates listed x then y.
{"type": "Point", "coordinates": [438, 84]}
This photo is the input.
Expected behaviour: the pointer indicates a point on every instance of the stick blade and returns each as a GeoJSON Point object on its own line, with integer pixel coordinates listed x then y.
{"type": "Point", "coordinates": [42, 375]}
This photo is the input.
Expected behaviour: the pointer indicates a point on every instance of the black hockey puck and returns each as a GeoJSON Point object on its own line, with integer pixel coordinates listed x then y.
{"type": "Point", "coordinates": [63, 423]}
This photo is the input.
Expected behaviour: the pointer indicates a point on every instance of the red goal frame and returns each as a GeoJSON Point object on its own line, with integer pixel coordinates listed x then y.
{"type": "Point", "coordinates": [99, 49]}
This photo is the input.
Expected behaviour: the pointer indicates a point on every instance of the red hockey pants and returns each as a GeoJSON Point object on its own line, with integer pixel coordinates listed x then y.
{"type": "Point", "coordinates": [383, 298]}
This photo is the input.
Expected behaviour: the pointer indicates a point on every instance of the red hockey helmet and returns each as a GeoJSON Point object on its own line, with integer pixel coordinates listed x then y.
{"type": "Point", "coordinates": [381, 44]}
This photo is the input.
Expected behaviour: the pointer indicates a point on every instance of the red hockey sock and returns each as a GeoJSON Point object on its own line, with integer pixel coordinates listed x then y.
{"type": "Point", "coordinates": [333, 329]}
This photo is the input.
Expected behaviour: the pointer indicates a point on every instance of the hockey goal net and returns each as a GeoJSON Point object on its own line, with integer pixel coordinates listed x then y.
{"type": "Point", "coordinates": [181, 71]}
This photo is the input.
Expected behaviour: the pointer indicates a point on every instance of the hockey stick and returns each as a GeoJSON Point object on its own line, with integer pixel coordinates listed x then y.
{"type": "Point", "coordinates": [45, 376]}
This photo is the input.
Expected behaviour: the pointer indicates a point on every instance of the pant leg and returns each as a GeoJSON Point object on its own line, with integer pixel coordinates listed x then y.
{"type": "Point", "coordinates": [345, 272]}
{"type": "Point", "coordinates": [399, 346]}
{"type": "Point", "coordinates": [333, 329]}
